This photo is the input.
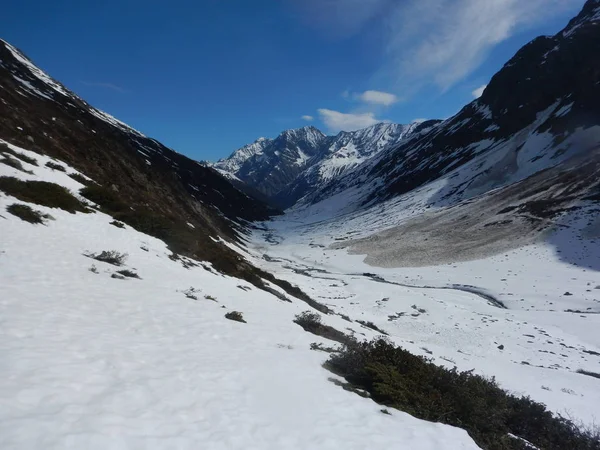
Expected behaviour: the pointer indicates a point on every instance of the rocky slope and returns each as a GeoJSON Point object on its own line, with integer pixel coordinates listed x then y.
{"type": "Point", "coordinates": [168, 195]}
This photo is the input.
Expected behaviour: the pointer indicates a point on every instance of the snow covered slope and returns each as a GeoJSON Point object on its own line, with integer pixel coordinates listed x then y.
{"type": "Point", "coordinates": [93, 361]}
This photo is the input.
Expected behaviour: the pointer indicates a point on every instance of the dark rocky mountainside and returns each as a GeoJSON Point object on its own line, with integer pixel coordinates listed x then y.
{"type": "Point", "coordinates": [164, 191]}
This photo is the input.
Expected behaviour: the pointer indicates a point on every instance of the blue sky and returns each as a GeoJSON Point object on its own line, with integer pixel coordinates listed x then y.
{"type": "Point", "coordinates": [206, 77]}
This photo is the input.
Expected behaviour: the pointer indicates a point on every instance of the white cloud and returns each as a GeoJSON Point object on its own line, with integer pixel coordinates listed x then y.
{"type": "Point", "coordinates": [477, 92]}
{"type": "Point", "coordinates": [308, 118]}
{"type": "Point", "coordinates": [437, 42]}
{"type": "Point", "coordinates": [338, 121]}
{"type": "Point", "coordinates": [378, 98]}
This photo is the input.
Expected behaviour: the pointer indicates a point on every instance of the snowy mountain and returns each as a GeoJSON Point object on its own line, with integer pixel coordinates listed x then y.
{"type": "Point", "coordinates": [300, 161]}
{"type": "Point", "coordinates": [270, 164]}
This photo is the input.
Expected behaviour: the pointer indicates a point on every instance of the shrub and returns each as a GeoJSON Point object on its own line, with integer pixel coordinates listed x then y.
{"type": "Point", "coordinates": [55, 166]}
{"type": "Point", "coordinates": [42, 193]}
{"type": "Point", "coordinates": [128, 273]}
{"type": "Point", "coordinates": [15, 164]}
{"type": "Point", "coordinates": [27, 213]}
{"type": "Point", "coordinates": [311, 322]}
{"type": "Point", "coordinates": [588, 373]}
{"type": "Point", "coordinates": [23, 157]}
{"type": "Point", "coordinates": [80, 179]}
{"type": "Point", "coordinates": [372, 326]}
{"type": "Point", "coordinates": [236, 316]}
{"type": "Point", "coordinates": [106, 198]}
{"type": "Point", "coordinates": [191, 293]}
{"type": "Point", "coordinates": [308, 319]}
{"type": "Point", "coordinates": [109, 256]}
{"type": "Point", "coordinates": [117, 224]}
{"type": "Point", "coordinates": [396, 378]}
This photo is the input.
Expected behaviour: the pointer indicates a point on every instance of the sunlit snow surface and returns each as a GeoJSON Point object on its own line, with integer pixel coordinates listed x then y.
{"type": "Point", "coordinates": [92, 362]}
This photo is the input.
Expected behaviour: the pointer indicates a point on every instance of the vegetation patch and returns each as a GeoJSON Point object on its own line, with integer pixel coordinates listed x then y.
{"type": "Point", "coordinates": [15, 164]}
{"type": "Point", "coordinates": [128, 274]}
{"type": "Point", "coordinates": [372, 326]}
{"type": "Point", "coordinates": [235, 316]}
{"type": "Point", "coordinates": [311, 322]}
{"type": "Point", "coordinates": [106, 198]}
{"type": "Point", "coordinates": [117, 224]}
{"type": "Point", "coordinates": [589, 373]}
{"type": "Point", "coordinates": [80, 179]}
{"type": "Point", "coordinates": [23, 157]}
{"type": "Point", "coordinates": [396, 378]}
{"type": "Point", "coordinates": [109, 256]}
{"type": "Point", "coordinates": [55, 166]}
{"type": "Point", "coordinates": [27, 213]}
{"type": "Point", "coordinates": [42, 193]}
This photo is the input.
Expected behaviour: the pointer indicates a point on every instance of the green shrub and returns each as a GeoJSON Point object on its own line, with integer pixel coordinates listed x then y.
{"type": "Point", "coordinates": [42, 193]}
{"type": "Point", "coordinates": [27, 213]}
{"type": "Point", "coordinates": [109, 256]}
{"type": "Point", "coordinates": [311, 322]}
{"type": "Point", "coordinates": [55, 166]}
{"type": "Point", "coordinates": [372, 326]}
{"type": "Point", "coordinates": [23, 157]}
{"type": "Point", "coordinates": [117, 224]}
{"type": "Point", "coordinates": [106, 198]}
{"type": "Point", "coordinates": [396, 378]}
{"type": "Point", "coordinates": [80, 179]}
{"type": "Point", "coordinates": [15, 164]}
{"type": "Point", "coordinates": [588, 373]}
{"type": "Point", "coordinates": [128, 273]}
{"type": "Point", "coordinates": [235, 316]}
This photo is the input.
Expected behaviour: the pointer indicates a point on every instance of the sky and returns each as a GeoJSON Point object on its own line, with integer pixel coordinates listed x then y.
{"type": "Point", "coordinates": [207, 77]}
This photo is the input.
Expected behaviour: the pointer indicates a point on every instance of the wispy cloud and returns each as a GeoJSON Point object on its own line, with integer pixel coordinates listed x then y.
{"type": "Point", "coordinates": [308, 118]}
{"type": "Point", "coordinates": [477, 92]}
{"type": "Point", "coordinates": [338, 121]}
{"type": "Point", "coordinates": [434, 42]}
{"type": "Point", "coordinates": [111, 86]}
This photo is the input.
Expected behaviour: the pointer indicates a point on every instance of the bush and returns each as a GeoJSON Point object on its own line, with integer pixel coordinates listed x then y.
{"type": "Point", "coordinates": [236, 316]}
{"type": "Point", "coordinates": [42, 193]}
{"type": "Point", "coordinates": [15, 164]}
{"type": "Point", "coordinates": [55, 166]}
{"type": "Point", "coordinates": [23, 157]}
{"type": "Point", "coordinates": [117, 224]}
{"type": "Point", "coordinates": [372, 326]}
{"type": "Point", "coordinates": [106, 198]}
{"type": "Point", "coordinates": [311, 322]}
{"type": "Point", "coordinates": [588, 373]}
{"type": "Point", "coordinates": [27, 213]}
{"type": "Point", "coordinates": [128, 274]}
{"type": "Point", "coordinates": [80, 179]}
{"type": "Point", "coordinates": [396, 378]}
{"type": "Point", "coordinates": [109, 256]}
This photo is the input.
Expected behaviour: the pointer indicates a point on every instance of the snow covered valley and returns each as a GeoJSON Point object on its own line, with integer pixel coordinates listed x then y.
{"type": "Point", "coordinates": [94, 359]}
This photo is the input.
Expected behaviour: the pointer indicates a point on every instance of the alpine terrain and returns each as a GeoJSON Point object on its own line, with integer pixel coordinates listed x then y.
{"type": "Point", "coordinates": [433, 285]}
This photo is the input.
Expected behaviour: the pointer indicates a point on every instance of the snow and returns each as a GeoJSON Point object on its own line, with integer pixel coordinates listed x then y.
{"type": "Point", "coordinates": [460, 328]}
{"type": "Point", "coordinates": [89, 361]}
